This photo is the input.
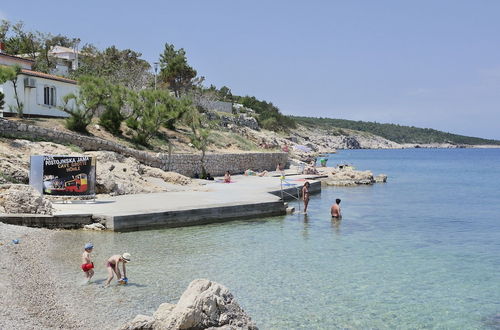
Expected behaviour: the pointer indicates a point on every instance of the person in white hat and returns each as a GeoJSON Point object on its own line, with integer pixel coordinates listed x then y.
{"type": "Point", "coordinates": [112, 265]}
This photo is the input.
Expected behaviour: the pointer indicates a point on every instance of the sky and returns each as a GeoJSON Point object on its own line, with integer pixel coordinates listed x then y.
{"type": "Point", "coordinates": [425, 63]}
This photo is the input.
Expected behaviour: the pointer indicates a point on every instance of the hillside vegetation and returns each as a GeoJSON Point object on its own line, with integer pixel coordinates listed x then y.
{"type": "Point", "coordinates": [393, 132]}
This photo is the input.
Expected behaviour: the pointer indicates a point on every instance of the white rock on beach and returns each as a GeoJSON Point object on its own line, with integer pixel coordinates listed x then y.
{"type": "Point", "coordinates": [21, 198]}
{"type": "Point", "coordinates": [204, 305]}
{"type": "Point", "coordinates": [94, 226]}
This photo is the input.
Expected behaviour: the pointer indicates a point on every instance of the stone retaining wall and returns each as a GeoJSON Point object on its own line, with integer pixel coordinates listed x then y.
{"type": "Point", "coordinates": [186, 164]}
{"type": "Point", "coordinates": [73, 221]}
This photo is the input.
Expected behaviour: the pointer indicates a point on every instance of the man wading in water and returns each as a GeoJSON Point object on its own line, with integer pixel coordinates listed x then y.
{"type": "Point", "coordinates": [336, 209]}
{"type": "Point", "coordinates": [113, 268]}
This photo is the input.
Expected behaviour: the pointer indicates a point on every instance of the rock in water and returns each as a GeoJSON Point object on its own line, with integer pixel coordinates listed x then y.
{"type": "Point", "coordinates": [204, 305]}
{"type": "Point", "coordinates": [381, 178]}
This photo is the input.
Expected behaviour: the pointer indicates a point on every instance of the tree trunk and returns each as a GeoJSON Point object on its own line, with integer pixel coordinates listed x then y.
{"type": "Point", "coordinates": [19, 104]}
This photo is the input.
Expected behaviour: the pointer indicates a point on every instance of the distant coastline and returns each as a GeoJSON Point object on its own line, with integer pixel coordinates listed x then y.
{"type": "Point", "coordinates": [397, 133]}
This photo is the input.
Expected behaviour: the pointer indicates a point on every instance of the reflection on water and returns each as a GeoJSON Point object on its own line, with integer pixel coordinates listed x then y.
{"type": "Point", "coordinates": [305, 231]}
{"type": "Point", "coordinates": [402, 257]}
{"type": "Point", "coordinates": [336, 225]}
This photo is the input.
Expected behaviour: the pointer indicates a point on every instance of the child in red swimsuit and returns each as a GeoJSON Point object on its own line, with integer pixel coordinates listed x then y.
{"type": "Point", "coordinates": [88, 265]}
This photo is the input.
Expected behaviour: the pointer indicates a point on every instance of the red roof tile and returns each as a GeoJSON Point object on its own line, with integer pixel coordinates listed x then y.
{"type": "Point", "coordinates": [47, 76]}
{"type": "Point", "coordinates": [17, 58]}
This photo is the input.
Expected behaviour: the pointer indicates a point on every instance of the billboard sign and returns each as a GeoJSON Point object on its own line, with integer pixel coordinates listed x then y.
{"type": "Point", "coordinates": [63, 175]}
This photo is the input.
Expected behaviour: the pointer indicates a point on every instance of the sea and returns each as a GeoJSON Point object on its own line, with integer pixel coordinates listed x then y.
{"type": "Point", "coordinates": [421, 251]}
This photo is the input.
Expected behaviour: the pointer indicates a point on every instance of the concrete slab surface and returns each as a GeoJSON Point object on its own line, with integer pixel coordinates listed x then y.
{"type": "Point", "coordinates": [212, 201]}
{"type": "Point", "coordinates": [242, 190]}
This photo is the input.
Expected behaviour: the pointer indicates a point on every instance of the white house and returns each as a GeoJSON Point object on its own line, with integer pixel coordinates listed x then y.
{"type": "Point", "coordinates": [41, 93]}
{"type": "Point", "coordinates": [69, 55]}
{"type": "Point", "coordinates": [66, 59]}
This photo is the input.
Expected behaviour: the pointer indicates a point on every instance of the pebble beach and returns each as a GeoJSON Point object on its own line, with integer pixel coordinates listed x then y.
{"type": "Point", "coordinates": [33, 296]}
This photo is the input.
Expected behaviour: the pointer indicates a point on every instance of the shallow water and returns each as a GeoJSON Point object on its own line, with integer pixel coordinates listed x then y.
{"type": "Point", "coordinates": [422, 251]}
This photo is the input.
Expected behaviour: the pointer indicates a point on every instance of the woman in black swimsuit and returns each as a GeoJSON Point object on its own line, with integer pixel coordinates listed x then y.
{"type": "Point", "coordinates": [305, 195]}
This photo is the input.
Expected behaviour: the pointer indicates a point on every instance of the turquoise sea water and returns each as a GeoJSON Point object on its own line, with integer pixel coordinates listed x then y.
{"type": "Point", "coordinates": [421, 251]}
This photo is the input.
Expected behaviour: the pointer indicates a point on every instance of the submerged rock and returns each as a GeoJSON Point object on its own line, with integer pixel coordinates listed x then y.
{"type": "Point", "coordinates": [204, 305]}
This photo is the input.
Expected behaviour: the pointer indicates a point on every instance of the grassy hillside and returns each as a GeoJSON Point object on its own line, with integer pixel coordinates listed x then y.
{"type": "Point", "coordinates": [396, 133]}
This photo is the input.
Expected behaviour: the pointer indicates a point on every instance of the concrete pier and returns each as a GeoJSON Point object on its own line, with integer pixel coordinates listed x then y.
{"type": "Point", "coordinates": [246, 197]}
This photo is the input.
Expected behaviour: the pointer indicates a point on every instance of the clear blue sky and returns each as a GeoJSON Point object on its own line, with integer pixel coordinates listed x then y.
{"type": "Point", "coordinates": [424, 63]}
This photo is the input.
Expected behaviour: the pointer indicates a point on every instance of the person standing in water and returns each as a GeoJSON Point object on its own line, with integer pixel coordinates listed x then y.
{"type": "Point", "coordinates": [87, 264]}
{"type": "Point", "coordinates": [335, 210]}
{"type": "Point", "coordinates": [227, 177]}
{"type": "Point", "coordinates": [305, 195]}
{"type": "Point", "coordinates": [112, 265]}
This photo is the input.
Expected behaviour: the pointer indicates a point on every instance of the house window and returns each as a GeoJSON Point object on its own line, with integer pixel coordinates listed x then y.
{"type": "Point", "coordinates": [49, 95]}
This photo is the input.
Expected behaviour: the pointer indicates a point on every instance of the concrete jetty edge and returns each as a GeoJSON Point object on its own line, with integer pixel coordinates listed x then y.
{"type": "Point", "coordinates": [178, 216]}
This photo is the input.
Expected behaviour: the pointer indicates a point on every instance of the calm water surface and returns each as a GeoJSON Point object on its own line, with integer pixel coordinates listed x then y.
{"type": "Point", "coordinates": [421, 251]}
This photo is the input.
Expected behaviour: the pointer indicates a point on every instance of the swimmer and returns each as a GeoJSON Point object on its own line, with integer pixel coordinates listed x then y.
{"type": "Point", "coordinates": [112, 265]}
{"type": "Point", "coordinates": [335, 210]}
{"type": "Point", "coordinates": [87, 264]}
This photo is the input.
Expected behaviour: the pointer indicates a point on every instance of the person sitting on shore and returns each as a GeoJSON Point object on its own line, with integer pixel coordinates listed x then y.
{"type": "Point", "coordinates": [249, 172]}
{"type": "Point", "coordinates": [87, 264]}
{"type": "Point", "coordinates": [335, 210]}
{"type": "Point", "coordinates": [227, 177]}
{"type": "Point", "coordinates": [263, 173]}
{"type": "Point", "coordinates": [112, 265]}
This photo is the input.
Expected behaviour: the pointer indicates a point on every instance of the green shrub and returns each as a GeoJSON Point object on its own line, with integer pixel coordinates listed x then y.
{"type": "Point", "coordinates": [78, 121]}
{"type": "Point", "coordinates": [111, 120]}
